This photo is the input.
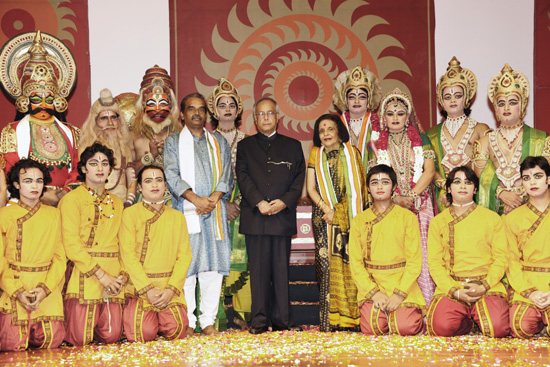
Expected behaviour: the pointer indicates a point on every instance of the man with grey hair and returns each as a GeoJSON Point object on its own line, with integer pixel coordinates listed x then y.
{"type": "Point", "coordinates": [270, 173]}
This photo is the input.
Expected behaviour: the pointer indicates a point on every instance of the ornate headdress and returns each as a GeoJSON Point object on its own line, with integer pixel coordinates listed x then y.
{"type": "Point", "coordinates": [223, 89]}
{"type": "Point", "coordinates": [155, 80]}
{"type": "Point", "coordinates": [37, 61]}
{"type": "Point", "coordinates": [380, 134]}
{"type": "Point", "coordinates": [507, 82]}
{"type": "Point", "coordinates": [457, 76]}
{"type": "Point", "coordinates": [358, 78]}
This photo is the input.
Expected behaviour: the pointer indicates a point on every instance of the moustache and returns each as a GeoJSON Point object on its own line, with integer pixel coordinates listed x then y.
{"type": "Point", "coordinates": [34, 111]}
{"type": "Point", "coordinates": [107, 128]}
{"type": "Point", "coordinates": [196, 117]}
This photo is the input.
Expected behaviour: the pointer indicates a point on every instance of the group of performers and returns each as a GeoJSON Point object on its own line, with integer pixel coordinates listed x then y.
{"type": "Point", "coordinates": [422, 237]}
{"type": "Point", "coordinates": [98, 242]}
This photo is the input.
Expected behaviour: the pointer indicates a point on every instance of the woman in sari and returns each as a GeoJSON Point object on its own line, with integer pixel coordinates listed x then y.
{"type": "Point", "coordinates": [336, 185]}
{"type": "Point", "coordinates": [398, 141]}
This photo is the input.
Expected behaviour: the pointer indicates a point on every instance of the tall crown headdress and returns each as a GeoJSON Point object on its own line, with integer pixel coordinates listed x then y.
{"type": "Point", "coordinates": [37, 61]}
{"type": "Point", "coordinates": [155, 79]}
{"type": "Point", "coordinates": [358, 78]}
{"type": "Point", "coordinates": [507, 82]}
{"type": "Point", "coordinates": [457, 76]}
{"type": "Point", "coordinates": [223, 89]}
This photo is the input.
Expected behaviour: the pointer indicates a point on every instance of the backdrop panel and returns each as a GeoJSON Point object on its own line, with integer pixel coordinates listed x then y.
{"type": "Point", "coordinates": [294, 50]}
{"type": "Point", "coordinates": [541, 85]}
{"type": "Point", "coordinates": [66, 20]}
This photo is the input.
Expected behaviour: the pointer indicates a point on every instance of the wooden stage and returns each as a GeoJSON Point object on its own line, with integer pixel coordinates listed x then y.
{"type": "Point", "coordinates": [308, 348]}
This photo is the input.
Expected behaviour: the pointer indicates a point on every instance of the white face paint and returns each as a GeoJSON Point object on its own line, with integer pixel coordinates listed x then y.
{"type": "Point", "coordinates": [380, 187]}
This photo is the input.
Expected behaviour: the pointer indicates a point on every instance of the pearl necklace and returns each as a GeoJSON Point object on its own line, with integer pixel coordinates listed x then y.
{"type": "Point", "coordinates": [463, 205]}
{"type": "Point", "coordinates": [454, 124]}
{"type": "Point", "coordinates": [153, 202]}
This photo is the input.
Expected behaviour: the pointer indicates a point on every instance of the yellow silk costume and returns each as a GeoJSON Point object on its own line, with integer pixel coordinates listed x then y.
{"type": "Point", "coordinates": [90, 237]}
{"type": "Point", "coordinates": [469, 247]}
{"type": "Point", "coordinates": [156, 251]}
{"type": "Point", "coordinates": [386, 255]}
{"type": "Point", "coordinates": [528, 233]}
{"type": "Point", "coordinates": [30, 241]}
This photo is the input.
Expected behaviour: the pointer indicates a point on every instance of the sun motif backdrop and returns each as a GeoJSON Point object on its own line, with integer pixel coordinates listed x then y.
{"type": "Point", "coordinates": [66, 20]}
{"type": "Point", "coordinates": [294, 50]}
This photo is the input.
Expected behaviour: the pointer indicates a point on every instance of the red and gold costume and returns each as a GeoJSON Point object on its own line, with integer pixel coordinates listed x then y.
{"type": "Point", "coordinates": [528, 233]}
{"type": "Point", "coordinates": [156, 252]}
{"type": "Point", "coordinates": [30, 242]}
{"type": "Point", "coordinates": [468, 248]}
{"type": "Point", "coordinates": [90, 227]}
{"type": "Point", "coordinates": [385, 257]}
{"type": "Point", "coordinates": [48, 141]}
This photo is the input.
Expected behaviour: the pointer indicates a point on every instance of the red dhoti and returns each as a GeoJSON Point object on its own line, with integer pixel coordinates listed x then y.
{"type": "Point", "coordinates": [84, 323]}
{"type": "Point", "coordinates": [403, 321]}
{"type": "Point", "coordinates": [526, 320]}
{"type": "Point", "coordinates": [144, 325]}
{"type": "Point", "coordinates": [449, 317]}
{"type": "Point", "coordinates": [41, 334]}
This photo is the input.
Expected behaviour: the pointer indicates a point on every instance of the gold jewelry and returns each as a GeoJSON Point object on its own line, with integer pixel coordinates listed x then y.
{"type": "Point", "coordinates": [358, 78]}
{"type": "Point", "coordinates": [147, 159]}
{"type": "Point", "coordinates": [507, 82]}
{"type": "Point", "coordinates": [459, 76]}
{"type": "Point", "coordinates": [440, 183]}
{"type": "Point", "coordinates": [223, 89]}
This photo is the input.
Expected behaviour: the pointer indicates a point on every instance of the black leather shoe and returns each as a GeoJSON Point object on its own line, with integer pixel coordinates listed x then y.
{"type": "Point", "coordinates": [257, 330]}
{"type": "Point", "coordinates": [284, 328]}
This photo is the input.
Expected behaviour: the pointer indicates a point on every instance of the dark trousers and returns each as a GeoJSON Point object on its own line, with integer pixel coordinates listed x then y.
{"type": "Point", "coordinates": [269, 257]}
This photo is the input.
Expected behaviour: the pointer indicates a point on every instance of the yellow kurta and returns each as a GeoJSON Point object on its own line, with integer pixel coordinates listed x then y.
{"type": "Point", "coordinates": [31, 245]}
{"type": "Point", "coordinates": [90, 238]}
{"type": "Point", "coordinates": [156, 251]}
{"type": "Point", "coordinates": [470, 247]}
{"type": "Point", "coordinates": [528, 233]}
{"type": "Point", "coordinates": [386, 255]}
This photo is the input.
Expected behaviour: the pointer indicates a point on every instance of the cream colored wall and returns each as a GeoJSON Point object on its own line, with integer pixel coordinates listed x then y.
{"type": "Point", "coordinates": [484, 35]}
{"type": "Point", "coordinates": [129, 36]}
{"type": "Point", "coordinates": [126, 38]}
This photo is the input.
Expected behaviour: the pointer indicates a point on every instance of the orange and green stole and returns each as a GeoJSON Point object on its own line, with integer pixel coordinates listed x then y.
{"type": "Point", "coordinates": [364, 135]}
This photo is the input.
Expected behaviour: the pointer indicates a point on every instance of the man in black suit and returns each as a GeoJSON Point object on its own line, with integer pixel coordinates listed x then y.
{"type": "Point", "coordinates": [270, 172]}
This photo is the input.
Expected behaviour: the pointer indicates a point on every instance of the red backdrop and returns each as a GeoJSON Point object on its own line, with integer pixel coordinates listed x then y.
{"type": "Point", "coordinates": [66, 20]}
{"type": "Point", "coordinates": [541, 85]}
{"type": "Point", "coordinates": [294, 50]}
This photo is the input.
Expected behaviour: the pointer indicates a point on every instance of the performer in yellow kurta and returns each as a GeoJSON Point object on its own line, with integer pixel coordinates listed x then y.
{"type": "Point", "coordinates": [467, 257]}
{"type": "Point", "coordinates": [386, 259]}
{"type": "Point", "coordinates": [90, 221]}
{"type": "Point", "coordinates": [31, 306]}
{"type": "Point", "coordinates": [528, 233]}
{"type": "Point", "coordinates": [155, 248]}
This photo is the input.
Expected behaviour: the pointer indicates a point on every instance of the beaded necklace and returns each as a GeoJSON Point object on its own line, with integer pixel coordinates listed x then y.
{"type": "Point", "coordinates": [454, 124]}
{"type": "Point", "coordinates": [104, 199]}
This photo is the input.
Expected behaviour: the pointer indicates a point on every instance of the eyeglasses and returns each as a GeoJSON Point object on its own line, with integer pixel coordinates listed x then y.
{"type": "Point", "coordinates": [268, 114]}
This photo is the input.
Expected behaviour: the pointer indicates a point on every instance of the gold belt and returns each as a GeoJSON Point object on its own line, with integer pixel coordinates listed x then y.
{"type": "Point", "coordinates": [159, 275]}
{"type": "Point", "coordinates": [385, 267]}
{"type": "Point", "coordinates": [466, 279]}
{"type": "Point", "coordinates": [30, 269]}
{"type": "Point", "coordinates": [536, 269]}
{"type": "Point", "coordinates": [103, 254]}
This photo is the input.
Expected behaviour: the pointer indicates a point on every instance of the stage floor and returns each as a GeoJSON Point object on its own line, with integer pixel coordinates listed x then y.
{"type": "Point", "coordinates": [308, 348]}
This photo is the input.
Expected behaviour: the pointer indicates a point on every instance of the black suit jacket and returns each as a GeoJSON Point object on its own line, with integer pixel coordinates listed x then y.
{"type": "Point", "coordinates": [268, 169]}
